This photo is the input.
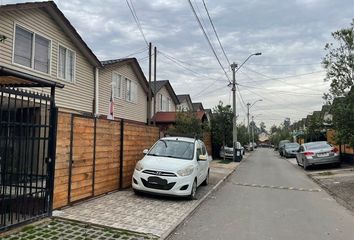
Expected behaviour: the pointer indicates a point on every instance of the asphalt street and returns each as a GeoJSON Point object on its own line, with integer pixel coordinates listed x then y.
{"type": "Point", "coordinates": [268, 198]}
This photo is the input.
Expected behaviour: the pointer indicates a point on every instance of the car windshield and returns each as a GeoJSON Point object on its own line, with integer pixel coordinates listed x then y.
{"type": "Point", "coordinates": [292, 145]}
{"type": "Point", "coordinates": [173, 149]}
{"type": "Point", "coordinates": [314, 146]}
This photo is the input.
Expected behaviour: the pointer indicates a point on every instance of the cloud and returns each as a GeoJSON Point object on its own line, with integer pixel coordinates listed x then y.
{"type": "Point", "coordinates": [290, 34]}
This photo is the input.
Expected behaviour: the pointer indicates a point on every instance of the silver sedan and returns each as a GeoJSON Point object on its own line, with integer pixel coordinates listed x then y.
{"type": "Point", "coordinates": [317, 153]}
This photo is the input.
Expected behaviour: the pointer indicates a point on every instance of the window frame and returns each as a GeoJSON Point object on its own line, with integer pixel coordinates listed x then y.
{"type": "Point", "coordinates": [58, 56]}
{"type": "Point", "coordinates": [121, 85]}
{"type": "Point", "coordinates": [16, 24]}
{"type": "Point", "coordinates": [126, 90]}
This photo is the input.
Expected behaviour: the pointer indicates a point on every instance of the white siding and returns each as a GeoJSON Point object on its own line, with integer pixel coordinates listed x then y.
{"type": "Point", "coordinates": [78, 95]}
{"type": "Point", "coordinates": [166, 94]}
{"type": "Point", "coordinates": [122, 108]}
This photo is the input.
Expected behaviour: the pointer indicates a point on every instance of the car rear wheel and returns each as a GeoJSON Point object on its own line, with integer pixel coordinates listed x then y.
{"type": "Point", "coordinates": [206, 181]}
{"type": "Point", "coordinates": [192, 196]}
{"type": "Point", "coordinates": [305, 165]}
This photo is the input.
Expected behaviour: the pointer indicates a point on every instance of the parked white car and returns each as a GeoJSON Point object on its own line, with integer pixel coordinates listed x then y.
{"type": "Point", "coordinates": [173, 166]}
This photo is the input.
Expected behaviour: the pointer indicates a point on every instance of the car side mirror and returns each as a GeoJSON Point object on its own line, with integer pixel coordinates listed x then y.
{"type": "Point", "coordinates": [202, 158]}
{"type": "Point", "coordinates": [146, 151]}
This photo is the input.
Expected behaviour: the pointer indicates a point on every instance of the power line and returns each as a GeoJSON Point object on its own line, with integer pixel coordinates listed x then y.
{"type": "Point", "coordinates": [281, 92]}
{"type": "Point", "coordinates": [208, 40]}
{"type": "Point", "coordinates": [136, 19]}
{"type": "Point", "coordinates": [178, 63]}
{"type": "Point", "coordinates": [137, 52]}
{"type": "Point", "coordinates": [216, 34]}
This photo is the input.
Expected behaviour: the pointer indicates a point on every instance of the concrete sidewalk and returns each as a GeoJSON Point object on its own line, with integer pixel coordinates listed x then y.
{"type": "Point", "coordinates": [146, 214]}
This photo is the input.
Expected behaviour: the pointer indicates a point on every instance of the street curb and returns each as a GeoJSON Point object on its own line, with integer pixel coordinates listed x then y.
{"type": "Point", "coordinates": [184, 218]}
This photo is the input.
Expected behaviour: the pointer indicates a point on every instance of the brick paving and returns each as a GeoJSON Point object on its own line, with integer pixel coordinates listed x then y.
{"type": "Point", "coordinates": [146, 214]}
{"type": "Point", "coordinates": [59, 229]}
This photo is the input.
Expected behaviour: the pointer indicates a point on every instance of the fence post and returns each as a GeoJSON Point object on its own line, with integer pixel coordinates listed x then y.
{"type": "Point", "coordinates": [121, 157]}
{"type": "Point", "coordinates": [52, 153]}
{"type": "Point", "coordinates": [94, 156]}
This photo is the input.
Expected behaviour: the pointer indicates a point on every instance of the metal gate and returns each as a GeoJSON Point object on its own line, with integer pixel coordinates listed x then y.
{"type": "Point", "coordinates": [27, 147]}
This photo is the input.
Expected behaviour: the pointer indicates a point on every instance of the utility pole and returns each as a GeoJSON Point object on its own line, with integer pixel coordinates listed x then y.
{"type": "Point", "coordinates": [248, 125]}
{"type": "Point", "coordinates": [234, 126]}
{"type": "Point", "coordinates": [253, 131]}
{"type": "Point", "coordinates": [149, 93]}
{"type": "Point", "coordinates": [155, 57]}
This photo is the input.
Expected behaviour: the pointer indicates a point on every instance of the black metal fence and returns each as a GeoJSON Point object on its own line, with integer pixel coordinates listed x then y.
{"type": "Point", "coordinates": [26, 141]}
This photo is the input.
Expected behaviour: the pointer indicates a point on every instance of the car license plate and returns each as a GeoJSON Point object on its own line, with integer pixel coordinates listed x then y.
{"type": "Point", "coordinates": [322, 154]}
{"type": "Point", "coordinates": [157, 181]}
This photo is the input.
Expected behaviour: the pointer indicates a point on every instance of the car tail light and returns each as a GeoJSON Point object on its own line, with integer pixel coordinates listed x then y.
{"type": "Point", "coordinates": [335, 150]}
{"type": "Point", "coordinates": [309, 153]}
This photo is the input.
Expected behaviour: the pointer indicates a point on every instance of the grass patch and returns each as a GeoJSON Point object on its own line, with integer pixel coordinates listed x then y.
{"type": "Point", "coordinates": [226, 161]}
{"type": "Point", "coordinates": [325, 173]}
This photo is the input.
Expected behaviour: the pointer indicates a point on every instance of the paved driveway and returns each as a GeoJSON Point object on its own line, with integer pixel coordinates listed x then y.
{"type": "Point", "coordinates": [146, 214]}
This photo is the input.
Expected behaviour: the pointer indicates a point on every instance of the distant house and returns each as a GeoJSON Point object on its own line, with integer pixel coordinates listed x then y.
{"type": "Point", "coordinates": [198, 106]}
{"type": "Point", "coordinates": [185, 103]}
{"type": "Point", "coordinates": [166, 98]}
{"type": "Point", "coordinates": [125, 80]}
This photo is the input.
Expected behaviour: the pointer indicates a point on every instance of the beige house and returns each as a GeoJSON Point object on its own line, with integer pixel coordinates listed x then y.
{"type": "Point", "coordinates": [185, 103]}
{"type": "Point", "coordinates": [130, 89]}
{"type": "Point", "coordinates": [166, 98]}
{"type": "Point", "coordinates": [39, 41]}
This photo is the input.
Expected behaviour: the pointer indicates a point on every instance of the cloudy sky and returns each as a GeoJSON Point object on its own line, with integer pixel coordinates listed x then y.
{"type": "Point", "coordinates": [291, 35]}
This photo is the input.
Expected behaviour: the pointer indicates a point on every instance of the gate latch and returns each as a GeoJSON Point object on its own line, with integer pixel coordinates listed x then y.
{"type": "Point", "coordinates": [48, 160]}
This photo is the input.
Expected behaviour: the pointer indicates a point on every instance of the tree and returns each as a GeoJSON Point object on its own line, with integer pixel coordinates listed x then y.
{"type": "Point", "coordinates": [262, 126]}
{"type": "Point", "coordinates": [343, 119]}
{"type": "Point", "coordinates": [221, 124]}
{"type": "Point", "coordinates": [339, 63]}
{"type": "Point", "coordinates": [314, 127]}
{"type": "Point", "coordinates": [242, 134]}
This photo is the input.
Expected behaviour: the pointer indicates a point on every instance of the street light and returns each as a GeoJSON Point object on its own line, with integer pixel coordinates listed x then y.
{"type": "Point", "coordinates": [249, 106]}
{"type": "Point", "coordinates": [234, 128]}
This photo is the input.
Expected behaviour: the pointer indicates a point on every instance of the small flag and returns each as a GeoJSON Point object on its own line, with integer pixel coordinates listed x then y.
{"type": "Point", "coordinates": [110, 115]}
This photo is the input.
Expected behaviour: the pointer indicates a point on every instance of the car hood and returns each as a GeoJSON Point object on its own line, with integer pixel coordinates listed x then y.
{"type": "Point", "coordinates": [164, 163]}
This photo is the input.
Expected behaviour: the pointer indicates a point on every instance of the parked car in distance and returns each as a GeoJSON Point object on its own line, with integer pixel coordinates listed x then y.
{"type": "Point", "coordinates": [317, 153]}
{"type": "Point", "coordinates": [290, 149]}
{"type": "Point", "coordinates": [228, 152]}
{"type": "Point", "coordinates": [281, 146]}
{"type": "Point", "coordinates": [173, 166]}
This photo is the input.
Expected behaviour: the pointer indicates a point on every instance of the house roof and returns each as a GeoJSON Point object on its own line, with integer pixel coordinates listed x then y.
{"type": "Point", "coordinates": [170, 117]}
{"type": "Point", "coordinates": [197, 105]}
{"type": "Point", "coordinates": [183, 97]}
{"type": "Point", "coordinates": [61, 20]}
{"type": "Point", "coordinates": [164, 83]}
{"type": "Point", "coordinates": [136, 68]}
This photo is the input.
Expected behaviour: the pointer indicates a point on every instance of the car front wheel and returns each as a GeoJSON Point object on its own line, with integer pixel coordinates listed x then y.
{"type": "Point", "coordinates": [206, 181]}
{"type": "Point", "coordinates": [192, 196]}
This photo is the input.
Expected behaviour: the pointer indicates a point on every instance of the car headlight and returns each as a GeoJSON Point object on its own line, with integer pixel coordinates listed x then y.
{"type": "Point", "coordinates": [186, 171]}
{"type": "Point", "coordinates": [139, 166]}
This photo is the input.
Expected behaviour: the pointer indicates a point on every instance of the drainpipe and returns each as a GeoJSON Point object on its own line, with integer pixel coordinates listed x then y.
{"type": "Point", "coordinates": [96, 91]}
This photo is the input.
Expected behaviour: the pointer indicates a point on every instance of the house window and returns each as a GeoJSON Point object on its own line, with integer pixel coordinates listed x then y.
{"type": "Point", "coordinates": [161, 102]}
{"type": "Point", "coordinates": [66, 64]}
{"type": "Point", "coordinates": [32, 50]}
{"type": "Point", "coordinates": [131, 93]}
{"type": "Point", "coordinates": [117, 85]}
{"type": "Point", "coordinates": [169, 106]}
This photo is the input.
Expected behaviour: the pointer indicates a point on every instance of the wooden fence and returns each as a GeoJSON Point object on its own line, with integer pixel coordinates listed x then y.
{"type": "Point", "coordinates": [96, 156]}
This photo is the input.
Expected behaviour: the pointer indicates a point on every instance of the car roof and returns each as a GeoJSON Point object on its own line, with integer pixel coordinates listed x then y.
{"type": "Point", "coordinates": [313, 143]}
{"type": "Point", "coordinates": [184, 139]}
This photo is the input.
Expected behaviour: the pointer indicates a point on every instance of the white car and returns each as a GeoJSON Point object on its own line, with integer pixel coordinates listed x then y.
{"type": "Point", "coordinates": [173, 166]}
